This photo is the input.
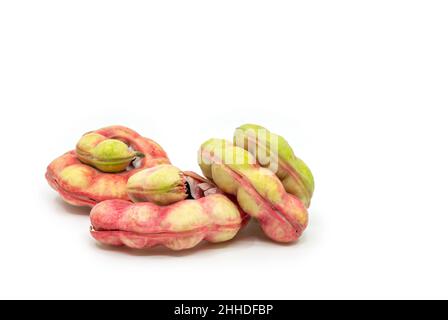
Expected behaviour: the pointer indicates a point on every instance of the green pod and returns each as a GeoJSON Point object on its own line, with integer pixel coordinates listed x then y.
{"type": "Point", "coordinates": [273, 151]}
{"type": "Point", "coordinates": [107, 155]}
{"type": "Point", "coordinates": [162, 185]}
{"type": "Point", "coordinates": [259, 192]}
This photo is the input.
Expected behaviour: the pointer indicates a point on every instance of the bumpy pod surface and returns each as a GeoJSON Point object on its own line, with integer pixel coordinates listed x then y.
{"type": "Point", "coordinates": [273, 151]}
{"type": "Point", "coordinates": [107, 155]}
{"type": "Point", "coordinates": [179, 226]}
{"type": "Point", "coordinates": [83, 185]}
{"type": "Point", "coordinates": [259, 192]}
{"type": "Point", "coordinates": [162, 185]}
{"type": "Point", "coordinates": [165, 184]}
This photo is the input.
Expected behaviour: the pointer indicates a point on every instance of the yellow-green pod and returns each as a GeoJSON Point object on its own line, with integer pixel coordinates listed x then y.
{"type": "Point", "coordinates": [107, 155]}
{"type": "Point", "coordinates": [273, 152]}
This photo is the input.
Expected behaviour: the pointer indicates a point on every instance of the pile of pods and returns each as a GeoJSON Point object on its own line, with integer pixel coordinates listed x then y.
{"type": "Point", "coordinates": [140, 200]}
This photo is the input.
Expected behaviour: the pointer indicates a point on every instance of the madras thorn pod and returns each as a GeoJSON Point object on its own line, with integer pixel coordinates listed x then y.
{"type": "Point", "coordinates": [205, 214]}
{"type": "Point", "coordinates": [273, 151]}
{"type": "Point", "coordinates": [86, 176]}
{"type": "Point", "coordinates": [166, 184]}
{"type": "Point", "coordinates": [259, 192]}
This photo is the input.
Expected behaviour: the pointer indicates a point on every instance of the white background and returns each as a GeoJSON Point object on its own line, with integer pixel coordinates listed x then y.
{"type": "Point", "coordinates": [359, 88]}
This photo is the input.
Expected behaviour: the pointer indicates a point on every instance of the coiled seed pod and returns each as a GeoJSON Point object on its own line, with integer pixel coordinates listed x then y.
{"type": "Point", "coordinates": [81, 184]}
{"type": "Point", "coordinates": [273, 151]}
{"type": "Point", "coordinates": [259, 192]}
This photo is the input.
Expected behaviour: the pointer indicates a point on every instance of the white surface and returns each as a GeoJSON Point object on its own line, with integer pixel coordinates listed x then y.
{"type": "Point", "coordinates": [359, 88]}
